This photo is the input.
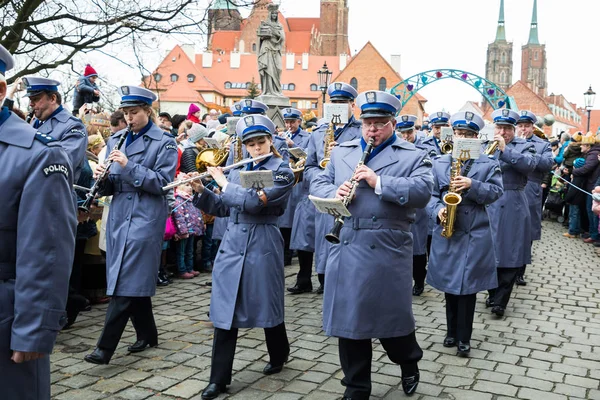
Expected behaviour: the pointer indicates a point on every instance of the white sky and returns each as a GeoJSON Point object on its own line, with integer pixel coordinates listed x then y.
{"type": "Point", "coordinates": [433, 34]}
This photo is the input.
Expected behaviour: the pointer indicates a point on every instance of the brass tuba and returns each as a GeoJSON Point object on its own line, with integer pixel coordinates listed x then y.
{"type": "Point", "coordinates": [329, 138]}
{"type": "Point", "coordinates": [452, 199]}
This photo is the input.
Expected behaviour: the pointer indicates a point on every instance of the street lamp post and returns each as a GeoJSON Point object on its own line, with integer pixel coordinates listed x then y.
{"type": "Point", "coordinates": [324, 78]}
{"type": "Point", "coordinates": [588, 99]}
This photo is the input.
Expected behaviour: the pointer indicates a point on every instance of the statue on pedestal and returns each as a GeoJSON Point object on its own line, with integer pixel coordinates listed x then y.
{"type": "Point", "coordinates": [271, 41]}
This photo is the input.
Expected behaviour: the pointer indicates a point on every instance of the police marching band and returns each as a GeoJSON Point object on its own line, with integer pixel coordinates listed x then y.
{"type": "Point", "coordinates": [416, 214]}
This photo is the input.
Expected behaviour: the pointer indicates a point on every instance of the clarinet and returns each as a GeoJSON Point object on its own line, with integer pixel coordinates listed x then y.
{"type": "Point", "coordinates": [91, 195]}
{"type": "Point", "coordinates": [30, 116]}
{"type": "Point", "coordinates": [334, 235]}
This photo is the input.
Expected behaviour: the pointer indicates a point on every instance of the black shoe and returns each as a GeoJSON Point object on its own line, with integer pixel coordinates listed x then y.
{"type": "Point", "coordinates": [489, 302]}
{"type": "Point", "coordinates": [520, 281]}
{"type": "Point", "coordinates": [99, 356]}
{"type": "Point", "coordinates": [298, 289]}
{"type": "Point", "coordinates": [410, 383]}
{"type": "Point", "coordinates": [141, 345]}
{"type": "Point", "coordinates": [319, 290]}
{"type": "Point", "coordinates": [212, 391]}
{"type": "Point", "coordinates": [449, 342]}
{"type": "Point", "coordinates": [464, 348]}
{"type": "Point", "coordinates": [498, 310]}
{"type": "Point", "coordinates": [87, 306]}
{"type": "Point", "coordinates": [161, 281]}
{"type": "Point", "coordinates": [208, 284]}
{"type": "Point", "coordinates": [418, 290]}
{"type": "Point", "coordinates": [271, 369]}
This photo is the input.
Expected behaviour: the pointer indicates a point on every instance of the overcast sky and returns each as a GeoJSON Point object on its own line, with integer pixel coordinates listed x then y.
{"type": "Point", "coordinates": [432, 34]}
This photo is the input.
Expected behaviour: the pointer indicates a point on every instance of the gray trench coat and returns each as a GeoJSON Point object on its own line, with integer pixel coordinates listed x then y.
{"type": "Point", "coordinates": [533, 190]}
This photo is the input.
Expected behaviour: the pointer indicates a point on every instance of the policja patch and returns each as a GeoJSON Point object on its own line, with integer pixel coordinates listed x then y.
{"type": "Point", "coordinates": [56, 169]}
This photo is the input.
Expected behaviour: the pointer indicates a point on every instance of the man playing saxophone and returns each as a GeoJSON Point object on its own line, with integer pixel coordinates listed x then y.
{"type": "Point", "coordinates": [462, 265]}
{"type": "Point", "coordinates": [368, 291]}
{"type": "Point", "coordinates": [341, 93]}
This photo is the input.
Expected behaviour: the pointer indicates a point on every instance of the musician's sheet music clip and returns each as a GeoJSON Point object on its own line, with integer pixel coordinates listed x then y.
{"type": "Point", "coordinates": [257, 179]}
{"type": "Point", "coordinates": [446, 134]}
{"type": "Point", "coordinates": [333, 207]}
{"type": "Point", "coordinates": [212, 143]}
{"type": "Point", "coordinates": [297, 152]}
{"type": "Point", "coordinates": [466, 149]}
{"type": "Point", "coordinates": [337, 111]}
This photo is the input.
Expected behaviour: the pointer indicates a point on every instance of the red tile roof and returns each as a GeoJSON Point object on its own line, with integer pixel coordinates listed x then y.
{"type": "Point", "coordinates": [595, 120]}
{"type": "Point", "coordinates": [303, 24]}
{"type": "Point", "coordinates": [225, 40]}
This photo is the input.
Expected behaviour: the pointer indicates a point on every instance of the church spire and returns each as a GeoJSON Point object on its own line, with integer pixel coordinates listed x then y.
{"type": "Point", "coordinates": [501, 33]}
{"type": "Point", "coordinates": [533, 32]}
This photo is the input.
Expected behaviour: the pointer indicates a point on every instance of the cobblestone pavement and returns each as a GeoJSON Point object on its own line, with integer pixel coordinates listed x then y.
{"type": "Point", "coordinates": [547, 347]}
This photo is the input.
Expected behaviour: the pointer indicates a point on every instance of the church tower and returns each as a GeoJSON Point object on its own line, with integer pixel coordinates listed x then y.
{"type": "Point", "coordinates": [334, 27]}
{"type": "Point", "coordinates": [533, 62]}
{"type": "Point", "coordinates": [223, 16]}
{"type": "Point", "coordinates": [499, 64]}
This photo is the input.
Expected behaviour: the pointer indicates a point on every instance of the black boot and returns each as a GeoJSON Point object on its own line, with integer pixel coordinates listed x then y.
{"type": "Point", "coordinates": [418, 290]}
{"type": "Point", "coordinates": [410, 383]}
{"type": "Point", "coordinates": [212, 391]}
{"type": "Point", "coordinates": [299, 289]}
{"type": "Point", "coordinates": [99, 356]}
{"type": "Point", "coordinates": [520, 281]}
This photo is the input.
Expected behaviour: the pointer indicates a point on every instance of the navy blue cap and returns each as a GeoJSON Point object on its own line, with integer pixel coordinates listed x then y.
{"type": "Point", "coordinates": [439, 118]}
{"type": "Point", "coordinates": [7, 61]}
{"type": "Point", "coordinates": [252, 107]}
{"type": "Point", "coordinates": [134, 96]}
{"type": "Point", "coordinates": [292, 113]}
{"type": "Point", "coordinates": [252, 126]}
{"type": "Point", "coordinates": [467, 120]}
{"type": "Point", "coordinates": [527, 116]}
{"type": "Point", "coordinates": [504, 116]}
{"type": "Point", "coordinates": [376, 103]}
{"type": "Point", "coordinates": [341, 91]}
{"type": "Point", "coordinates": [36, 85]}
{"type": "Point", "coordinates": [405, 122]}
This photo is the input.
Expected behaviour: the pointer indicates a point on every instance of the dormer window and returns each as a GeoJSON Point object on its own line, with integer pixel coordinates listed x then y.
{"type": "Point", "coordinates": [174, 77]}
{"type": "Point", "coordinates": [157, 77]}
{"type": "Point", "coordinates": [191, 77]}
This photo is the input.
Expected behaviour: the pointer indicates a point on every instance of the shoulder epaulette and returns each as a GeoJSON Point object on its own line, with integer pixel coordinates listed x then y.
{"type": "Point", "coordinates": [42, 137]}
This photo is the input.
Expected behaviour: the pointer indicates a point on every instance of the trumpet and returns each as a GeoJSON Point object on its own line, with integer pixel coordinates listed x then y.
{"type": "Point", "coordinates": [205, 174]}
{"type": "Point", "coordinates": [446, 147]}
{"type": "Point", "coordinates": [334, 235]}
{"type": "Point", "coordinates": [91, 195]}
{"type": "Point", "coordinates": [491, 148]}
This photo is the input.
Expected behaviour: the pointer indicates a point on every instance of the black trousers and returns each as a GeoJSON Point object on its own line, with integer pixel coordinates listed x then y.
{"type": "Point", "coordinates": [305, 258]}
{"type": "Point", "coordinates": [120, 309]}
{"type": "Point", "coordinates": [524, 267]}
{"type": "Point", "coordinates": [419, 269]}
{"type": "Point", "coordinates": [287, 237]}
{"type": "Point", "coordinates": [460, 311]}
{"type": "Point", "coordinates": [75, 300]}
{"type": "Point", "coordinates": [506, 280]}
{"type": "Point", "coordinates": [429, 246]}
{"type": "Point", "coordinates": [356, 356]}
{"type": "Point", "coordinates": [223, 351]}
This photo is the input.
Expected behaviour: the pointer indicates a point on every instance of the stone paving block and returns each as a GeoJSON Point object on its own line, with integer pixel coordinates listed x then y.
{"type": "Point", "coordinates": [582, 382]}
{"type": "Point", "coordinates": [495, 388]}
{"type": "Point", "coordinates": [186, 389]}
{"type": "Point", "coordinates": [158, 383]}
{"type": "Point", "coordinates": [532, 394]}
{"type": "Point", "coordinates": [79, 381]}
{"type": "Point", "coordinates": [460, 394]}
{"type": "Point", "coordinates": [285, 396]}
{"type": "Point", "coordinates": [571, 391]}
{"type": "Point", "coordinates": [533, 383]}
{"type": "Point", "coordinates": [86, 394]}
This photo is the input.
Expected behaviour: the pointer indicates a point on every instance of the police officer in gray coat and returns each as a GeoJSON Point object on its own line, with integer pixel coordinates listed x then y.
{"type": "Point", "coordinates": [462, 265]}
{"type": "Point", "coordinates": [248, 277]}
{"type": "Point", "coordinates": [533, 190]}
{"type": "Point", "coordinates": [369, 274]}
{"type": "Point", "coordinates": [295, 137]}
{"type": "Point", "coordinates": [37, 244]}
{"type": "Point", "coordinates": [405, 126]}
{"type": "Point", "coordinates": [248, 107]}
{"type": "Point", "coordinates": [136, 223]}
{"type": "Point", "coordinates": [52, 119]}
{"type": "Point", "coordinates": [340, 93]}
{"type": "Point", "coordinates": [509, 216]}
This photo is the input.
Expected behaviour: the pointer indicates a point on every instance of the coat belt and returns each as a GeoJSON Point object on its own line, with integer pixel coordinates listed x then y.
{"type": "Point", "coordinates": [121, 187]}
{"type": "Point", "coordinates": [378, 223]}
{"type": "Point", "coordinates": [514, 186]}
{"type": "Point", "coordinates": [7, 271]}
{"type": "Point", "coordinates": [254, 219]}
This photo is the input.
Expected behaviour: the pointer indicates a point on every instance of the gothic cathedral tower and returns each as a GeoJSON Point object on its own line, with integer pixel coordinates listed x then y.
{"type": "Point", "coordinates": [533, 62]}
{"type": "Point", "coordinates": [334, 27]}
{"type": "Point", "coordinates": [499, 64]}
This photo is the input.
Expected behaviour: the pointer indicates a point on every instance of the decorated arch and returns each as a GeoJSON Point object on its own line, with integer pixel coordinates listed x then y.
{"type": "Point", "coordinates": [492, 93]}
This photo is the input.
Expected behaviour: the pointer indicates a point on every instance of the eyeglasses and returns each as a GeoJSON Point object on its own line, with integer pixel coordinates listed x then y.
{"type": "Point", "coordinates": [378, 126]}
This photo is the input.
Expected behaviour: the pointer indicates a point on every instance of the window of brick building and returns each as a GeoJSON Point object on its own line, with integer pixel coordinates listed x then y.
{"type": "Point", "coordinates": [174, 77]}
{"type": "Point", "coordinates": [354, 83]}
{"type": "Point", "coordinates": [191, 77]}
{"type": "Point", "coordinates": [314, 87]}
{"type": "Point", "coordinates": [382, 84]}
{"type": "Point", "coordinates": [227, 85]}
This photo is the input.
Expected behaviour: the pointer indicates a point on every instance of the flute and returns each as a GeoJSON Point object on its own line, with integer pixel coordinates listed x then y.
{"type": "Point", "coordinates": [205, 174]}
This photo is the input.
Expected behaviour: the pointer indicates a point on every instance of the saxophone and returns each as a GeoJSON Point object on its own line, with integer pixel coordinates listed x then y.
{"type": "Point", "coordinates": [329, 138]}
{"type": "Point", "coordinates": [452, 199]}
{"type": "Point", "coordinates": [238, 151]}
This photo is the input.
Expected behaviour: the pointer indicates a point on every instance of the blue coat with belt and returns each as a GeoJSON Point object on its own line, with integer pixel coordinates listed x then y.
{"type": "Point", "coordinates": [138, 211]}
{"type": "Point", "coordinates": [368, 283]}
{"type": "Point", "coordinates": [509, 216]}
{"type": "Point", "coordinates": [282, 148]}
{"type": "Point", "coordinates": [37, 245]}
{"type": "Point", "coordinates": [71, 134]}
{"type": "Point", "coordinates": [420, 229]}
{"type": "Point", "coordinates": [248, 275]}
{"type": "Point", "coordinates": [464, 264]}
{"type": "Point", "coordinates": [544, 162]}
{"type": "Point", "coordinates": [300, 190]}
{"type": "Point", "coordinates": [316, 152]}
